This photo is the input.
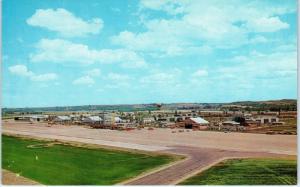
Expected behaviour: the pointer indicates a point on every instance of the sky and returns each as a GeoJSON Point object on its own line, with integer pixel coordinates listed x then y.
{"type": "Point", "coordinates": [93, 52]}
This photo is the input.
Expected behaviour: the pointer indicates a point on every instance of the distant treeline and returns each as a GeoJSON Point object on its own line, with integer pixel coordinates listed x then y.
{"type": "Point", "coordinates": [121, 108]}
{"type": "Point", "coordinates": [276, 105]}
{"type": "Point", "coordinates": [271, 107]}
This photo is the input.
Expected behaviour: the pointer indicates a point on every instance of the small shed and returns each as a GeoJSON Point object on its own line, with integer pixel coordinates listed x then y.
{"type": "Point", "coordinates": [196, 122]}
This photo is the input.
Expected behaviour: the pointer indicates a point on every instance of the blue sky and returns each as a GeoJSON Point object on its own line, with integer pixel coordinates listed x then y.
{"type": "Point", "coordinates": [63, 52]}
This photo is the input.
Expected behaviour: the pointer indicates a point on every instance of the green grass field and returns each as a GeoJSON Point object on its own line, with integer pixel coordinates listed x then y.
{"type": "Point", "coordinates": [248, 172]}
{"type": "Point", "coordinates": [69, 165]}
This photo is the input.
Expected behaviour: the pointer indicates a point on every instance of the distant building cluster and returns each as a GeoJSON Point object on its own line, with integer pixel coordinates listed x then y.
{"type": "Point", "coordinates": [217, 120]}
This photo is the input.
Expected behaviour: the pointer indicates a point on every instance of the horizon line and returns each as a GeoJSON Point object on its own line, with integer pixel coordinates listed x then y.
{"type": "Point", "coordinates": [149, 103]}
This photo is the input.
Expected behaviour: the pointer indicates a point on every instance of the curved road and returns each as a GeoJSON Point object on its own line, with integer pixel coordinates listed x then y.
{"type": "Point", "coordinates": [198, 160]}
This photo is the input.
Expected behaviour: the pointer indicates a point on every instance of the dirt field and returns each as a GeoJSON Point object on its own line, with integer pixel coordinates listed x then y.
{"type": "Point", "coordinates": [202, 148]}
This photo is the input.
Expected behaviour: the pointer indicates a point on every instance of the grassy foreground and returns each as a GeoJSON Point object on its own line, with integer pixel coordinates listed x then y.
{"type": "Point", "coordinates": [248, 172]}
{"type": "Point", "coordinates": [69, 165]}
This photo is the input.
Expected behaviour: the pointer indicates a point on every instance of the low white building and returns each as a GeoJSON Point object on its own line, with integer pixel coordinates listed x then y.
{"type": "Point", "coordinates": [267, 119]}
{"type": "Point", "coordinates": [231, 126]}
{"type": "Point", "coordinates": [38, 117]}
{"type": "Point", "coordinates": [32, 118]}
{"type": "Point", "coordinates": [148, 120]}
{"type": "Point", "coordinates": [93, 119]}
{"type": "Point", "coordinates": [196, 122]}
{"type": "Point", "coordinates": [118, 120]}
{"type": "Point", "coordinates": [62, 119]}
{"type": "Point", "coordinates": [199, 121]}
{"type": "Point", "coordinates": [75, 117]}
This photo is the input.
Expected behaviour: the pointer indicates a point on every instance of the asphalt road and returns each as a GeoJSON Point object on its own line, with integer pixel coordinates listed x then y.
{"type": "Point", "coordinates": [198, 160]}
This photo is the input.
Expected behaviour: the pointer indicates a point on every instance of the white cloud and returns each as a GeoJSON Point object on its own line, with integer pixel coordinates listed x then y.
{"type": "Point", "coordinates": [258, 39]}
{"type": "Point", "coordinates": [267, 24]}
{"type": "Point", "coordinates": [94, 72]}
{"type": "Point", "coordinates": [239, 59]}
{"type": "Point", "coordinates": [85, 80]}
{"type": "Point", "coordinates": [260, 72]}
{"type": "Point", "coordinates": [64, 22]}
{"type": "Point", "coordinates": [286, 47]}
{"type": "Point", "coordinates": [163, 79]}
{"type": "Point", "coordinates": [44, 77]}
{"type": "Point", "coordinates": [156, 5]}
{"type": "Point", "coordinates": [259, 65]}
{"type": "Point", "coordinates": [169, 83]}
{"type": "Point", "coordinates": [200, 73]}
{"type": "Point", "coordinates": [116, 81]}
{"type": "Point", "coordinates": [22, 70]}
{"type": "Point", "coordinates": [195, 24]}
{"type": "Point", "coordinates": [171, 6]}
{"type": "Point", "coordinates": [158, 78]}
{"type": "Point", "coordinates": [160, 39]}
{"type": "Point", "coordinates": [63, 51]}
{"type": "Point", "coordinates": [118, 77]}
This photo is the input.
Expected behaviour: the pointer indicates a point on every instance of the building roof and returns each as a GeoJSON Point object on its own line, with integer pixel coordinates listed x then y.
{"type": "Point", "coordinates": [266, 116]}
{"type": "Point", "coordinates": [118, 119]}
{"type": "Point", "coordinates": [38, 116]}
{"type": "Point", "coordinates": [94, 118]}
{"type": "Point", "coordinates": [74, 115]}
{"type": "Point", "coordinates": [211, 111]}
{"type": "Point", "coordinates": [151, 118]}
{"type": "Point", "coordinates": [232, 122]}
{"type": "Point", "coordinates": [199, 120]}
{"type": "Point", "coordinates": [63, 117]}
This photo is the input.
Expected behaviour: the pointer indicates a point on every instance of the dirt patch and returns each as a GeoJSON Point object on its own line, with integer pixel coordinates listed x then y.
{"type": "Point", "coordinates": [10, 178]}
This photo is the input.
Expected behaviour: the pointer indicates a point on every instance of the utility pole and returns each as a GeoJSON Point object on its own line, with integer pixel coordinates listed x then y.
{"type": "Point", "coordinates": [113, 120]}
